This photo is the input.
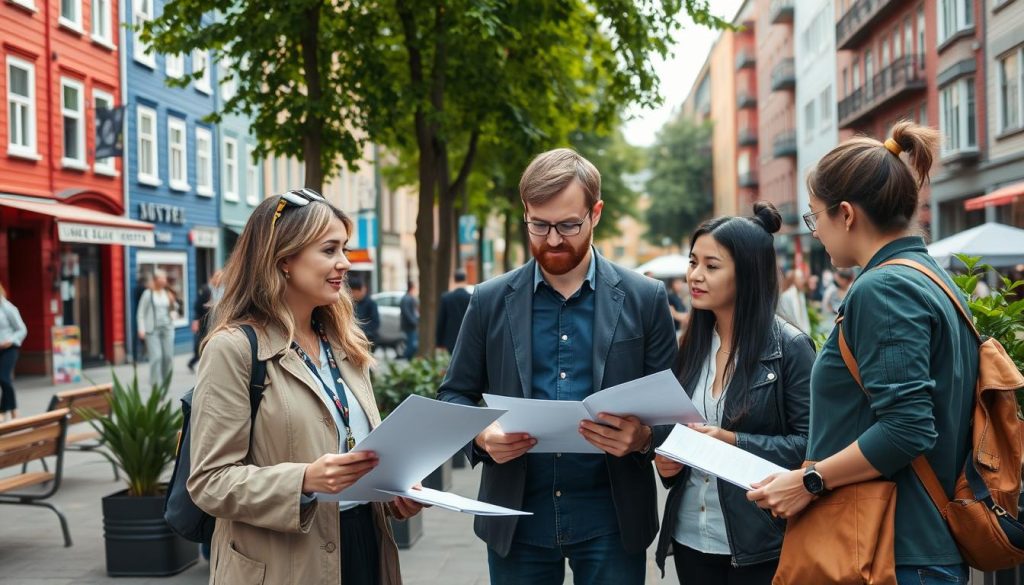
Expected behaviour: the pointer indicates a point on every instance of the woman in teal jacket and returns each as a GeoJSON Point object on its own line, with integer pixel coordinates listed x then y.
{"type": "Point", "coordinates": [918, 361]}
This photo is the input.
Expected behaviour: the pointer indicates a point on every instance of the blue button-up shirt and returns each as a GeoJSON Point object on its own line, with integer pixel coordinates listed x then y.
{"type": "Point", "coordinates": [569, 494]}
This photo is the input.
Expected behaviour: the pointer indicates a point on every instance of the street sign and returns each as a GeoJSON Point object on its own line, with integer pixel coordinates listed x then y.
{"type": "Point", "coordinates": [467, 229]}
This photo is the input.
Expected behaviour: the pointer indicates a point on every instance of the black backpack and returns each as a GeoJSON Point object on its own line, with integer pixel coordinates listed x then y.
{"type": "Point", "coordinates": [180, 512]}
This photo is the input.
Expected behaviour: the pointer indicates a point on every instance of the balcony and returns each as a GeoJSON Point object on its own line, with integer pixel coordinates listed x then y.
{"type": "Point", "coordinates": [856, 25]}
{"type": "Point", "coordinates": [748, 137]}
{"type": "Point", "coordinates": [745, 59]}
{"type": "Point", "coordinates": [745, 99]}
{"type": "Point", "coordinates": [781, 11]}
{"type": "Point", "coordinates": [784, 144]}
{"type": "Point", "coordinates": [905, 75]}
{"type": "Point", "coordinates": [748, 180]}
{"type": "Point", "coordinates": [784, 75]}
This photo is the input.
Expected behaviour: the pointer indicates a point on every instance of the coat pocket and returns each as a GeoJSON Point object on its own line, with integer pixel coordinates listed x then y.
{"type": "Point", "coordinates": [238, 568]}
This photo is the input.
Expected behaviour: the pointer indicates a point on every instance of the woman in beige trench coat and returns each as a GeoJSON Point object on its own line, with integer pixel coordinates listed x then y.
{"type": "Point", "coordinates": [286, 279]}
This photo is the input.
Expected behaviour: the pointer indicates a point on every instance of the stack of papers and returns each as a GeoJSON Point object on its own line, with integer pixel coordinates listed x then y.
{"type": "Point", "coordinates": [714, 457]}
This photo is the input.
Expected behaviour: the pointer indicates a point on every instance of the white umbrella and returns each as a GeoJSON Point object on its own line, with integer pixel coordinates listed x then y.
{"type": "Point", "coordinates": [667, 266]}
{"type": "Point", "coordinates": [997, 244]}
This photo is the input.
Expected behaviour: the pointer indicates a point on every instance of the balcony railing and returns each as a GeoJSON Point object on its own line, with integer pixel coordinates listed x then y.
{"type": "Point", "coordinates": [745, 59]}
{"type": "Point", "coordinates": [904, 75]}
{"type": "Point", "coordinates": [748, 180]}
{"type": "Point", "coordinates": [748, 137]}
{"type": "Point", "coordinates": [784, 144]}
{"type": "Point", "coordinates": [745, 99]}
{"type": "Point", "coordinates": [855, 25]}
{"type": "Point", "coordinates": [784, 75]}
{"type": "Point", "coordinates": [781, 11]}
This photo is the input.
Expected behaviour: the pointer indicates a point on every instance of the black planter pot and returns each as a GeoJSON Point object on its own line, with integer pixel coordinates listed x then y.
{"type": "Point", "coordinates": [440, 478]}
{"type": "Point", "coordinates": [138, 540]}
{"type": "Point", "coordinates": [407, 532]}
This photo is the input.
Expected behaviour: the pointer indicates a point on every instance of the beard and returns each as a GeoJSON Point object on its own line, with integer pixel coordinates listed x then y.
{"type": "Point", "coordinates": [560, 259]}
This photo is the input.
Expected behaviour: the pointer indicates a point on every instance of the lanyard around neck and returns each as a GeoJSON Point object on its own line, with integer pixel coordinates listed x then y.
{"type": "Point", "coordinates": [337, 395]}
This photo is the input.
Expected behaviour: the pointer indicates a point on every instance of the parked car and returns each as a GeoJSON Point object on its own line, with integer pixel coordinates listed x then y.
{"type": "Point", "coordinates": [390, 335]}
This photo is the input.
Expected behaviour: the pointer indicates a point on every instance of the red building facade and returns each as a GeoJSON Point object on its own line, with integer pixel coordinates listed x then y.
{"type": "Point", "coordinates": [62, 228]}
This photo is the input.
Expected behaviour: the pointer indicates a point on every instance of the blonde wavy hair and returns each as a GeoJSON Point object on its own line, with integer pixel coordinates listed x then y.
{"type": "Point", "coordinates": [254, 284]}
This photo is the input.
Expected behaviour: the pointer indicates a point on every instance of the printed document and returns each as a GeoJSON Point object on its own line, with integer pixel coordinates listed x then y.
{"type": "Point", "coordinates": [717, 458]}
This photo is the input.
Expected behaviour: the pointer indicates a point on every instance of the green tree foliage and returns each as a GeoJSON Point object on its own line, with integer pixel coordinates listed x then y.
{"type": "Point", "coordinates": [680, 182]}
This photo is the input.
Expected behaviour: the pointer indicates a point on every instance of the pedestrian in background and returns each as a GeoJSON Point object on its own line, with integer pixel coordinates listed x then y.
{"type": "Point", "coordinates": [259, 476]}
{"type": "Point", "coordinates": [918, 362]}
{"type": "Point", "coordinates": [793, 300]}
{"type": "Point", "coordinates": [155, 315]}
{"type": "Point", "coordinates": [366, 309]}
{"type": "Point", "coordinates": [835, 294]}
{"type": "Point", "coordinates": [747, 372]}
{"type": "Point", "coordinates": [409, 320]}
{"type": "Point", "coordinates": [201, 310]}
{"type": "Point", "coordinates": [453, 308]}
{"type": "Point", "coordinates": [12, 335]}
{"type": "Point", "coordinates": [677, 304]}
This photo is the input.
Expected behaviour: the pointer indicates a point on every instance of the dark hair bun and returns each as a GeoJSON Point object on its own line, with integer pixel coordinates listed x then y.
{"type": "Point", "coordinates": [767, 216]}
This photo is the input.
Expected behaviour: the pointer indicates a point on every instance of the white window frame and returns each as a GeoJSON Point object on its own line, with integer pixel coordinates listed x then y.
{"type": "Point", "coordinates": [1017, 53]}
{"type": "Point", "coordinates": [825, 105]}
{"type": "Point", "coordinates": [29, 4]}
{"type": "Point", "coordinates": [962, 14]}
{"type": "Point", "coordinates": [956, 131]}
{"type": "Point", "coordinates": [142, 12]}
{"type": "Point", "coordinates": [920, 43]}
{"type": "Point", "coordinates": [28, 150]}
{"type": "Point", "coordinates": [73, 21]}
{"type": "Point", "coordinates": [102, 16]}
{"type": "Point", "coordinates": [179, 260]}
{"type": "Point", "coordinates": [102, 166]}
{"type": "Point", "coordinates": [179, 125]}
{"type": "Point", "coordinates": [204, 162]}
{"type": "Point", "coordinates": [174, 65]}
{"type": "Point", "coordinates": [230, 171]}
{"type": "Point", "coordinates": [152, 179]}
{"type": "Point", "coordinates": [810, 115]}
{"type": "Point", "coordinates": [201, 62]}
{"type": "Point", "coordinates": [78, 113]}
{"type": "Point", "coordinates": [226, 78]}
{"type": "Point", "coordinates": [252, 177]}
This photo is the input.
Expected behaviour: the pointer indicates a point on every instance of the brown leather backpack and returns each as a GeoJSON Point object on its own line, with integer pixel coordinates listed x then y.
{"type": "Point", "coordinates": [982, 516]}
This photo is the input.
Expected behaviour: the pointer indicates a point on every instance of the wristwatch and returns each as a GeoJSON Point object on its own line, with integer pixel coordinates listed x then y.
{"type": "Point", "coordinates": [813, 482]}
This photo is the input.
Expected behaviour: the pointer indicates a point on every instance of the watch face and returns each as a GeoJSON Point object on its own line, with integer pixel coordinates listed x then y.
{"type": "Point", "coordinates": [813, 482]}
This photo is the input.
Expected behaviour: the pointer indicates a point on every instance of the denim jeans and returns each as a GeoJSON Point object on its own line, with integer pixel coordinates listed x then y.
{"type": "Point", "coordinates": [598, 561]}
{"type": "Point", "coordinates": [932, 575]}
{"type": "Point", "coordinates": [8, 358]}
{"type": "Point", "coordinates": [412, 343]}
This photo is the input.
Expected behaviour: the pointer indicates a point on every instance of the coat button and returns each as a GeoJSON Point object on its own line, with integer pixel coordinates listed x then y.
{"type": "Point", "coordinates": [329, 547]}
{"type": "Point", "coordinates": [771, 376]}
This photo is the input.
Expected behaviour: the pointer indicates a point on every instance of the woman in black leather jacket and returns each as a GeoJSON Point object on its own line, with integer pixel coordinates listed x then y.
{"type": "Point", "coordinates": [748, 372]}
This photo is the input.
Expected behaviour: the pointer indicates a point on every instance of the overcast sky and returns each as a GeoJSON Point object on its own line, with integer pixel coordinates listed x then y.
{"type": "Point", "coordinates": [677, 73]}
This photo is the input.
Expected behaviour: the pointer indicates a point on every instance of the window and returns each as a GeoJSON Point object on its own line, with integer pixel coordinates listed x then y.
{"type": "Point", "coordinates": [204, 162]}
{"type": "Point", "coordinates": [72, 111]}
{"type": "Point", "coordinates": [103, 101]}
{"type": "Point", "coordinates": [201, 64]}
{"type": "Point", "coordinates": [252, 177]}
{"type": "Point", "coordinates": [1010, 106]}
{"type": "Point", "coordinates": [825, 104]}
{"type": "Point", "coordinates": [175, 264]}
{"type": "Point", "coordinates": [148, 171]}
{"type": "Point", "coordinates": [21, 107]}
{"type": "Point", "coordinates": [908, 37]}
{"type": "Point", "coordinates": [869, 73]}
{"type": "Point", "coordinates": [885, 54]}
{"type": "Point", "coordinates": [922, 117]}
{"type": "Point", "coordinates": [175, 65]}
{"type": "Point", "coordinates": [101, 18]}
{"type": "Point", "coordinates": [177, 158]}
{"type": "Point", "coordinates": [809, 110]}
{"type": "Point", "coordinates": [897, 52]}
{"type": "Point", "coordinates": [230, 169]}
{"type": "Point", "coordinates": [743, 163]}
{"type": "Point", "coordinates": [920, 36]}
{"type": "Point", "coordinates": [957, 116]}
{"type": "Point", "coordinates": [856, 75]}
{"type": "Point", "coordinates": [226, 78]}
{"type": "Point", "coordinates": [954, 16]}
{"type": "Point", "coordinates": [142, 14]}
{"type": "Point", "coordinates": [71, 14]}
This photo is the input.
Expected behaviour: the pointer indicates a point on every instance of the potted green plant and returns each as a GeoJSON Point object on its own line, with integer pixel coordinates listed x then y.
{"type": "Point", "coordinates": [420, 376]}
{"type": "Point", "coordinates": [140, 438]}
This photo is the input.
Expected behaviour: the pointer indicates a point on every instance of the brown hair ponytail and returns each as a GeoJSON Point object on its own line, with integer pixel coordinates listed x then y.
{"type": "Point", "coordinates": [920, 143]}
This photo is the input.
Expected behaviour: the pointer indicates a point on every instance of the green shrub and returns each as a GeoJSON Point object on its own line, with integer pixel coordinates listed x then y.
{"type": "Point", "coordinates": [421, 376]}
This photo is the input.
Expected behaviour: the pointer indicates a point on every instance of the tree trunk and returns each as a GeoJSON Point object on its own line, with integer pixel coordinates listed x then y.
{"type": "Point", "coordinates": [506, 261]}
{"type": "Point", "coordinates": [312, 140]}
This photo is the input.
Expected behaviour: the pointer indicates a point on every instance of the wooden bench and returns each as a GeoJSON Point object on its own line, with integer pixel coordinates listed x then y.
{"type": "Point", "coordinates": [28, 439]}
{"type": "Point", "coordinates": [96, 398]}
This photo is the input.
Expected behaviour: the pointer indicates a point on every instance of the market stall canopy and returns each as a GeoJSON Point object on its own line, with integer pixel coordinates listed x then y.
{"type": "Point", "coordinates": [997, 244]}
{"type": "Point", "coordinates": [667, 266]}
{"type": "Point", "coordinates": [1003, 196]}
{"type": "Point", "coordinates": [87, 226]}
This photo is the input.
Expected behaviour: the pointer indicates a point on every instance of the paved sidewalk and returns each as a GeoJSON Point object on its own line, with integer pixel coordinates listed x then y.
{"type": "Point", "coordinates": [32, 551]}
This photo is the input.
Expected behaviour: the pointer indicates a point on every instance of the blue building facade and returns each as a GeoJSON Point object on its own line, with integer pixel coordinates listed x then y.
{"type": "Point", "coordinates": [173, 175]}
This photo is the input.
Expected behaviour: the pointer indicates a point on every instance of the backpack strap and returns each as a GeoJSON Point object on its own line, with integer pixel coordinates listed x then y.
{"type": "Point", "coordinates": [258, 372]}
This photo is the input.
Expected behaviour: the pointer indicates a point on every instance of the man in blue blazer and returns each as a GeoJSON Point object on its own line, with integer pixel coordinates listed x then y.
{"type": "Point", "coordinates": [565, 325]}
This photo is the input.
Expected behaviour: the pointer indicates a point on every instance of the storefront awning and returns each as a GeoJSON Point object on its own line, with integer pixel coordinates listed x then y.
{"type": "Point", "coordinates": [87, 226]}
{"type": "Point", "coordinates": [1003, 196]}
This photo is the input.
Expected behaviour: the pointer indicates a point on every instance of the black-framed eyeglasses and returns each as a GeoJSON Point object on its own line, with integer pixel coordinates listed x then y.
{"type": "Point", "coordinates": [564, 228]}
{"type": "Point", "coordinates": [298, 198]}
{"type": "Point", "coordinates": [811, 217]}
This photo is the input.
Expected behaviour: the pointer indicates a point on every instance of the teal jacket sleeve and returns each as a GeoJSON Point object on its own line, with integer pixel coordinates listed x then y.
{"type": "Point", "coordinates": [889, 324]}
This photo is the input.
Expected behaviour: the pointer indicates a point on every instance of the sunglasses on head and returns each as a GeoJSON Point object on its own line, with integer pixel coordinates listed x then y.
{"type": "Point", "coordinates": [298, 198]}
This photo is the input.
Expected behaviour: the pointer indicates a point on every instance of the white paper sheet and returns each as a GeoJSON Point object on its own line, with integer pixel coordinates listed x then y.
{"type": "Point", "coordinates": [657, 399]}
{"type": "Point", "coordinates": [413, 441]}
{"type": "Point", "coordinates": [717, 458]}
{"type": "Point", "coordinates": [456, 503]}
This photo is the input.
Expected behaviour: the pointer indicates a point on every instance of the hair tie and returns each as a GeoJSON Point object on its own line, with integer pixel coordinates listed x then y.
{"type": "Point", "coordinates": [893, 146]}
